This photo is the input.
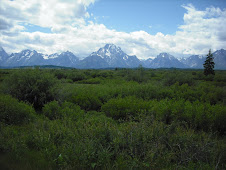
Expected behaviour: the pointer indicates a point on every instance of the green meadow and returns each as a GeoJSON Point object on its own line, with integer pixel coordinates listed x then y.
{"type": "Point", "coordinates": [112, 119]}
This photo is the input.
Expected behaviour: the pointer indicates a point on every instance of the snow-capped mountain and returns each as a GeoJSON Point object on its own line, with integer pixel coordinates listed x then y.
{"type": "Point", "coordinates": [132, 61]}
{"type": "Point", "coordinates": [32, 57]}
{"type": "Point", "coordinates": [109, 56]}
{"type": "Point", "coordinates": [66, 59]}
{"type": "Point", "coordinates": [93, 61]}
{"type": "Point", "coordinates": [146, 63]}
{"type": "Point", "coordinates": [165, 60]}
{"type": "Point", "coordinates": [197, 61]}
{"type": "Point", "coordinates": [114, 57]}
{"type": "Point", "coordinates": [3, 56]}
{"type": "Point", "coordinates": [194, 61]}
{"type": "Point", "coordinates": [24, 58]}
{"type": "Point", "coordinates": [220, 59]}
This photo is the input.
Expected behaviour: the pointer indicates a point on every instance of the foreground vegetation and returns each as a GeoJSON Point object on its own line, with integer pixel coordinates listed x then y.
{"type": "Point", "coordinates": [112, 119]}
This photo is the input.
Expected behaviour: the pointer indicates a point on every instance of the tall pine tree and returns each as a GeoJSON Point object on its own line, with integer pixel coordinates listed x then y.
{"type": "Point", "coordinates": [209, 64]}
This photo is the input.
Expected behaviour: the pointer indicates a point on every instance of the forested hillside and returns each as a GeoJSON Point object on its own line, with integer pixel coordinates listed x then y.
{"type": "Point", "coordinates": [112, 119]}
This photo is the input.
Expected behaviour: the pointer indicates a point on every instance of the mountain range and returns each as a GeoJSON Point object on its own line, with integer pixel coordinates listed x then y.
{"type": "Point", "coordinates": [109, 56]}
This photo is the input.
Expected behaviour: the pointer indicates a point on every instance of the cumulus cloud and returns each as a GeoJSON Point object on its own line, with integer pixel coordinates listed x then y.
{"type": "Point", "coordinates": [4, 24]}
{"type": "Point", "coordinates": [67, 20]}
{"type": "Point", "coordinates": [203, 29]}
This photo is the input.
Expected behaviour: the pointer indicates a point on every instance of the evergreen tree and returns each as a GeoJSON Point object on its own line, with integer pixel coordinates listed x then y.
{"type": "Point", "coordinates": [209, 64]}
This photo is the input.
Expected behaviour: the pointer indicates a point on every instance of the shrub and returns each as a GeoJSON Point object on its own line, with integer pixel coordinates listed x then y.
{"type": "Point", "coordinates": [194, 73]}
{"type": "Point", "coordinates": [60, 74]}
{"type": "Point", "coordinates": [219, 117]}
{"type": "Point", "coordinates": [14, 112]}
{"type": "Point", "coordinates": [138, 75]}
{"type": "Point", "coordinates": [71, 110]}
{"type": "Point", "coordinates": [182, 78]}
{"type": "Point", "coordinates": [163, 110]}
{"type": "Point", "coordinates": [53, 110]}
{"type": "Point", "coordinates": [123, 108]}
{"type": "Point", "coordinates": [87, 101]}
{"type": "Point", "coordinates": [95, 80]}
{"type": "Point", "coordinates": [77, 76]}
{"type": "Point", "coordinates": [33, 86]}
{"type": "Point", "coordinates": [197, 115]}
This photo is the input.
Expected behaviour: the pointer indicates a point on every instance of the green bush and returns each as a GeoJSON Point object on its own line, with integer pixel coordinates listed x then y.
{"type": "Point", "coordinates": [96, 80]}
{"type": "Point", "coordinates": [197, 115]}
{"type": "Point", "coordinates": [139, 75]}
{"type": "Point", "coordinates": [53, 110]}
{"type": "Point", "coordinates": [33, 86]}
{"type": "Point", "coordinates": [14, 112]}
{"type": "Point", "coordinates": [180, 77]}
{"type": "Point", "coordinates": [124, 108]}
{"type": "Point", "coordinates": [87, 101]}
{"type": "Point", "coordinates": [218, 118]}
{"type": "Point", "coordinates": [163, 110]}
{"type": "Point", "coordinates": [77, 76]}
{"type": "Point", "coordinates": [60, 74]}
{"type": "Point", "coordinates": [71, 110]}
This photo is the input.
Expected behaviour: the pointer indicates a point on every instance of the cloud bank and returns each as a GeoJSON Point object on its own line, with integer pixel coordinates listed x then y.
{"type": "Point", "coordinates": [71, 28]}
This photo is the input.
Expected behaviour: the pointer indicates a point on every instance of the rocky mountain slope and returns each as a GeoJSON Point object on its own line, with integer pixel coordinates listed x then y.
{"type": "Point", "coordinates": [109, 56]}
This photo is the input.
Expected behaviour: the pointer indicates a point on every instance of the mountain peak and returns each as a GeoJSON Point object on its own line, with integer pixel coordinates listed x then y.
{"type": "Point", "coordinates": [221, 51]}
{"type": "Point", "coordinates": [67, 53]}
{"type": "Point", "coordinates": [115, 57]}
{"type": "Point", "coordinates": [165, 55]}
{"type": "Point", "coordinates": [3, 56]}
{"type": "Point", "coordinates": [26, 50]}
{"type": "Point", "coordinates": [1, 49]}
{"type": "Point", "coordinates": [28, 53]}
{"type": "Point", "coordinates": [52, 56]}
{"type": "Point", "coordinates": [112, 48]}
{"type": "Point", "coordinates": [108, 51]}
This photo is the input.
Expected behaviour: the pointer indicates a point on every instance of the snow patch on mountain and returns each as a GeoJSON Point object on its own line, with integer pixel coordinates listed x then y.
{"type": "Point", "coordinates": [27, 53]}
{"type": "Point", "coordinates": [125, 57]}
{"type": "Point", "coordinates": [52, 56]}
{"type": "Point", "coordinates": [108, 53]}
{"type": "Point", "coordinates": [45, 56]}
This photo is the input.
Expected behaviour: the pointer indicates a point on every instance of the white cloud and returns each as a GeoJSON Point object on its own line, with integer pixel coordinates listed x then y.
{"type": "Point", "coordinates": [201, 30]}
{"type": "Point", "coordinates": [45, 13]}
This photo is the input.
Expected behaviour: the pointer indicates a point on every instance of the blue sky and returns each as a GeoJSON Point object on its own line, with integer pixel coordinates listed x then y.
{"type": "Point", "coordinates": [140, 27]}
{"type": "Point", "coordinates": [151, 16]}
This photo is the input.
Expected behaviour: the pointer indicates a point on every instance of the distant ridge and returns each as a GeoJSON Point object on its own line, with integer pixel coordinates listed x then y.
{"type": "Point", "coordinates": [109, 56]}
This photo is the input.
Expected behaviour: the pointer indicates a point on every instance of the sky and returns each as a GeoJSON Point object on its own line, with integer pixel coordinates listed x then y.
{"type": "Point", "coordinates": [143, 28]}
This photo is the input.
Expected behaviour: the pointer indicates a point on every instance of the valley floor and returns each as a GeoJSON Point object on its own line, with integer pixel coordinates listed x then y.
{"type": "Point", "coordinates": [112, 119]}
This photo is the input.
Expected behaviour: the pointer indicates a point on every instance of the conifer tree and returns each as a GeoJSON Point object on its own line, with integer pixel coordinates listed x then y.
{"type": "Point", "coordinates": [209, 64]}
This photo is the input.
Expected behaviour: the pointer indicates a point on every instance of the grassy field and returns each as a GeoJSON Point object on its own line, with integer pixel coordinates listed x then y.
{"type": "Point", "coordinates": [112, 119]}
